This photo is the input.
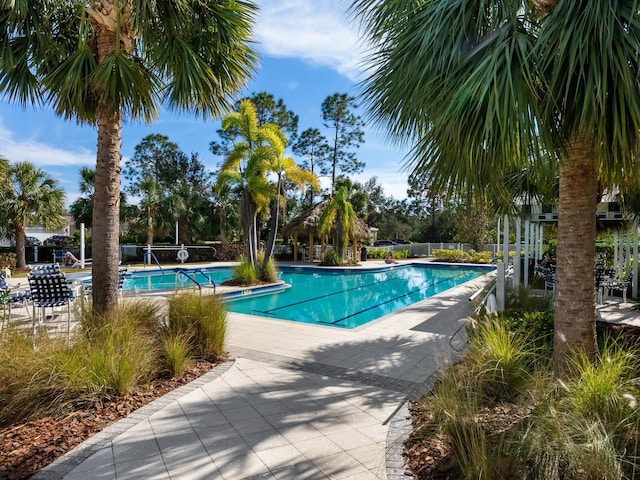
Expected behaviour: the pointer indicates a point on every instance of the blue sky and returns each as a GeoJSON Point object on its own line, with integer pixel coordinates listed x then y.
{"type": "Point", "coordinates": [308, 50]}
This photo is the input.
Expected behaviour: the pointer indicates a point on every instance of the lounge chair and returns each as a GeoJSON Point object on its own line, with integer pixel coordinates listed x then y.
{"type": "Point", "coordinates": [71, 260]}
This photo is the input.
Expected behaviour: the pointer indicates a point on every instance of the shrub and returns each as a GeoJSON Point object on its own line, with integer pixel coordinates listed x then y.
{"type": "Point", "coordinates": [480, 257]}
{"type": "Point", "coordinates": [560, 445]}
{"type": "Point", "coordinates": [331, 258]}
{"type": "Point", "coordinates": [458, 256]}
{"type": "Point", "coordinates": [202, 319]}
{"type": "Point", "coordinates": [121, 354]}
{"type": "Point", "coordinates": [115, 354]}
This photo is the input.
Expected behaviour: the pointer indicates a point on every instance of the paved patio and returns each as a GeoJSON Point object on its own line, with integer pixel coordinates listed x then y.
{"type": "Point", "coordinates": [297, 401]}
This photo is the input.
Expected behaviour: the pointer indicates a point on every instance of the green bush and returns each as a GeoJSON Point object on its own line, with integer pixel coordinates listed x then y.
{"type": "Point", "coordinates": [602, 390]}
{"type": "Point", "coordinates": [202, 319]}
{"type": "Point", "coordinates": [458, 256]}
{"type": "Point", "coordinates": [121, 355]}
{"type": "Point", "coordinates": [112, 359]}
{"type": "Point", "coordinates": [331, 258]}
{"type": "Point", "coordinates": [585, 426]}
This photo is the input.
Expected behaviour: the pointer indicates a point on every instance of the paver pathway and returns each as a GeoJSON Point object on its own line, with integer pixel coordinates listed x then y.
{"type": "Point", "coordinates": [298, 402]}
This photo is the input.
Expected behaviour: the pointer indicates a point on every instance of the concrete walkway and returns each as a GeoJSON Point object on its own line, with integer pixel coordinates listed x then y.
{"type": "Point", "coordinates": [296, 402]}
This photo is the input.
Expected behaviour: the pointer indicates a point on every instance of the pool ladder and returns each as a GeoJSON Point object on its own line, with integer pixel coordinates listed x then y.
{"type": "Point", "coordinates": [196, 283]}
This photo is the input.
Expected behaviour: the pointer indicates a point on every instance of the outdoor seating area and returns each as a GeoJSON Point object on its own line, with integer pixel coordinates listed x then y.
{"type": "Point", "coordinates": [37, 305]}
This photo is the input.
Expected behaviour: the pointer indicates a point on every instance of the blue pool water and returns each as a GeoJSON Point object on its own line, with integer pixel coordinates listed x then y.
{"type": "Point", "coordinates": [348, 299]}
{"type": "Point", "coordinates": [344, 298]}
{"type": "Point", "coordinates": [171, 278]}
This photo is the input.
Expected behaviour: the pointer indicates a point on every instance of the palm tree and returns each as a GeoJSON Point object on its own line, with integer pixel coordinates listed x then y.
{"type": "Point", "coordinates": [82, 208]}
{"type": "Point", "coordinates": [481, 88]}
{"type": "Point", "coordinates": [339, 214]}
{"type": "Point", "coordinates": [29, 197]}
{"type": "Point", "coordinates": [246, 165]}
{"type": "Point", "coordinates": [284, 168]}
{"type": "Point", "coordinates": [102, 62]}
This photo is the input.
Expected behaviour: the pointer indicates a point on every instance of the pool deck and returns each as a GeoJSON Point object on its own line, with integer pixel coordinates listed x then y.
{"type": "Point", "coordinates": [296, 401]}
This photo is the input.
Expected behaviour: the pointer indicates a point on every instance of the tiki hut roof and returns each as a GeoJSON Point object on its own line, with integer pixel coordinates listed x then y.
{"type": "Point", "coordinates": [307, 222]}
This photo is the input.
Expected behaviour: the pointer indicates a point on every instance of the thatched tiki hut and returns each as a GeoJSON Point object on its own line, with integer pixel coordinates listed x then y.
{"type": "Point", "coordinates": [306, 224]}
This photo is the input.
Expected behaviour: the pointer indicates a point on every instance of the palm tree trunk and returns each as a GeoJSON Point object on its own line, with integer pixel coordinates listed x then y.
{"type": "Point", "coordinates": [21, 260]}
{"type": "Point", "coordinates": [106, 215]}
{"type": "Point", "coordinates": [248, 220]}
{"type": "Point", "coordinates": [273, 230]}
{"type": "Point", "coordinates": [149, 228]}
{"type": "Point", "coordinates": [575, 318]}
{"type": "Point", "coordinates": [106, 205]}
{"type": "Point", "coordinates": [223, 231]}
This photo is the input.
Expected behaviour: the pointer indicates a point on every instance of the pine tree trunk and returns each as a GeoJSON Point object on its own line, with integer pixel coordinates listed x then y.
{"type": "Point", "coordinates": [575, 312]}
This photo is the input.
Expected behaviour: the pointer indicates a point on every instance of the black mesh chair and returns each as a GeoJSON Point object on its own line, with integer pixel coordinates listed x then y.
{"type": "Point", "coordinates": [44, 269]}
{"type": "Point", "coordinates": [9, 298]}
{"type": "Point", "coordinates": [49, 290]}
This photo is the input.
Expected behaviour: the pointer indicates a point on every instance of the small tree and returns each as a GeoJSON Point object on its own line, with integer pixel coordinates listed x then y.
{"type": "Point", "coordinates": [314, 149]}
{"type": "Point", "coordinates": [339, 215]}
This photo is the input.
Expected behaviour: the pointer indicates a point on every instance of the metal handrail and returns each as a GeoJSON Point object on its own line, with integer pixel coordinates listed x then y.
{"type": "Point", "coordinates": [206, 275]}
{"type": "Point", "coordinates": [183, 272]}
{"type": "Point", "coordinates": [150, 254]}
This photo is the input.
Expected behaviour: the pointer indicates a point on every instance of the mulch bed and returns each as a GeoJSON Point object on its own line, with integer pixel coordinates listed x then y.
{"type": "Point", "coordinates": [28, 446]}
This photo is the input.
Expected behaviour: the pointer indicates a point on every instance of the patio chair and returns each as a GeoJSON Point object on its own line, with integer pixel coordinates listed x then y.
{"type": "Point", "coordinates": [44, 269]}
{"type": "Point", "coordinates": [122, 275]}
{"type": "Point", "coordinates": [611, 284]}
{"type": "Point", "coordinates": [58, 255]}
{"type": "Point", "coordinates": [549, 279]}
{"type": "Point", "coordinates": [50, 290]}
{"type": "Point", "coordinates": [9, 297]}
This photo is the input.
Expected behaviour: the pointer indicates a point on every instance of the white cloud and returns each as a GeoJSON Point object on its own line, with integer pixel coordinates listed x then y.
{"type": "Point", "coordinates": [40, 153]}
{"type": "Point", "coordinates": [318, 32]}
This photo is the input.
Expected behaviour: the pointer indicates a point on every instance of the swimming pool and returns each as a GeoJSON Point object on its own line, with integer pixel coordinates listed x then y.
{"type": "Point", "coordinates": [172, 278]}
{"type": "Point", "coordinates": [349, 298]}
{"type": "Point", "coordinates": [343, 298]}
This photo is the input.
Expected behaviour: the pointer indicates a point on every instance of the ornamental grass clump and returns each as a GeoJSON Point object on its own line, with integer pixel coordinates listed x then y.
{"type": "Point", "coordinates": [558, 444]}
{"type": "Point", "coordinates": [455, 405]}
{"type": "Point", "coordinates": [602, 391]}
{"type": "Point", "coordinates": [114, 354]}
{"type": "Point", "coordinates": [501, 359]}
{"type": "Point", "coordinates": [245, 273]}
{"type": "Point", "coordinates": [203, 320]}
{"type": "Point", "coordinates": [176, 352]}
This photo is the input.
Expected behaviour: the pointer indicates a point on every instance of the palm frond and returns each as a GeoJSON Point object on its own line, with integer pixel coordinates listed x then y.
{"type": "Point", "coordinates": [591, 65]}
